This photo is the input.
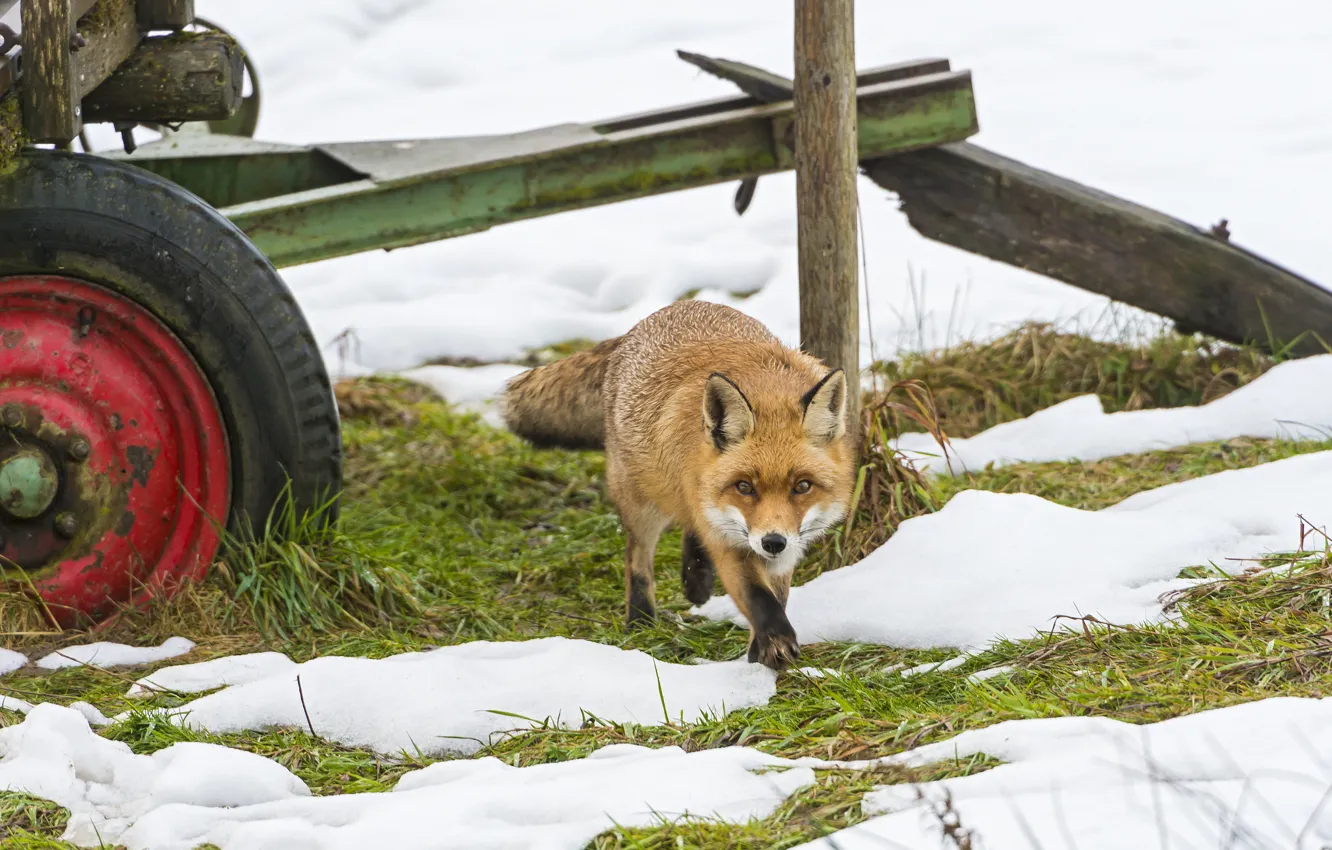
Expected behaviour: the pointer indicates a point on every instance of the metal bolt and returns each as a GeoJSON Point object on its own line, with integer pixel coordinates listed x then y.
{"type": "Point", "coordinates": [66, 525]}
{"type": "Point", "coordinates": [79, 449]}
{"type": "Point", "coordinates": [13, 415]}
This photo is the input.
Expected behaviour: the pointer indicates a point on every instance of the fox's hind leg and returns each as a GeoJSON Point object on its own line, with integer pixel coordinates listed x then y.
{"type": "Point", "coordinates": [697, 573]}
{"type": "Point", "coordinates": [643, 529]}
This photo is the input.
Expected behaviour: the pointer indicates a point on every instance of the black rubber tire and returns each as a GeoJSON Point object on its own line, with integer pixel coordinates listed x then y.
{"type": "Point", "coordinates": [162, 247]}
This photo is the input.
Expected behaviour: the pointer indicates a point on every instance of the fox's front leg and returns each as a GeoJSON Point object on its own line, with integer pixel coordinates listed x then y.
{"type": "Point", "coordinates": [697, 573]}
{"type": "Point", "coordinates": [762, 599]}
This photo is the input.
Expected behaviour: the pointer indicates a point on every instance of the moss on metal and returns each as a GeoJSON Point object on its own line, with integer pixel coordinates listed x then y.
{"type": "Point", "coordinates": [11, 130]}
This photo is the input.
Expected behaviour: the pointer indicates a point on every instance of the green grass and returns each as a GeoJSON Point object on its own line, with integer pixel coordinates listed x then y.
{"type": "Point", "coordinates": [453, 532]}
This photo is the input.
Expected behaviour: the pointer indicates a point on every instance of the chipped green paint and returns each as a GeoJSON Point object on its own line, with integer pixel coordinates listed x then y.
{"type": "Point", "coordinates": [314, 208]}
{"type": "Point", "coordinates": [28, 483]}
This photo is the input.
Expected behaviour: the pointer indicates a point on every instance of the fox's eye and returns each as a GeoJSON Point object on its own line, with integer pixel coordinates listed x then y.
{"type": "Point", "coordinates": [745, 488]}
{"type": "Point", "coordinates": [802, 487]}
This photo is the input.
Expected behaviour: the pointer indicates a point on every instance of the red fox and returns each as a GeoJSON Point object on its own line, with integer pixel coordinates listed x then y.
{"type": "Point", "coordinates": [708, 422]}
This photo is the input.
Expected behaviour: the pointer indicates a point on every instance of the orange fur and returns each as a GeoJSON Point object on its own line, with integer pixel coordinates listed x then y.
{"type": "Point", "coordinates": [709, 422]}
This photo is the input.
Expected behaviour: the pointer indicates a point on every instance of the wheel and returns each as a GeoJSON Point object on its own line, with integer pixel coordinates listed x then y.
{"type": "Point", "coordinates": [157, 383]}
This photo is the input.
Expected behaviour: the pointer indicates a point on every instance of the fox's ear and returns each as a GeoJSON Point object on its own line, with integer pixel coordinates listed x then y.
{"type": "Point", "coordinates": [726, 412]}
{"type": "Point", "coordinates": [825, 408]}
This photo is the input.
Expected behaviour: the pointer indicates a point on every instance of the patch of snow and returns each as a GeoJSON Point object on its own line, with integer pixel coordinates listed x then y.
{"type": "Point", "coordinates": [11, 661]}
{"type": "Point", "coordinates": [1283, 403]}
{"type": "Point", "coordinates": [190, 794]}
{"type": "Point", "coordinates": [480, 804]}
{"type": "Point", "coordinates": [993, 565]}
{"type": "Point", "coordinates": [1252, 775]}
{"type": "Point", "coordinates": [472, 388]}
{"type": "Point", "coordinates": [1129, 122]}
{"type": "Point", "coordinates": [15, 704]}
{"type": "Point", "coordinates": [91, 713]}
{"type": "Point", "coordinates": [103, 654]}
{"type": "Point", "coordinates": [981, 675]}
{"type": "Point", "coordinates": [214, 673]}
{"type": "Point", "coordinates": [456, 698]}
{"type": "Point", "coordinates": [54, 754]}
{"type": "Point", "coordinates": [935, 666]}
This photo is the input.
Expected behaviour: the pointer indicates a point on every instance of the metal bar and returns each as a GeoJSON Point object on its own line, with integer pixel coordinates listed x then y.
{"type": "Point", "coordinates": [415, 192]}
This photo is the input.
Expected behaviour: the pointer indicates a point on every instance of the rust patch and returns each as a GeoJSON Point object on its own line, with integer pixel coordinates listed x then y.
{"type": "Point", "coordinates": [11, 338]}
{"type": "Point", "coordinates": [116, 422]}
{"type": "Point", "coordinates": [141, 462]}
{"type": "Point", "coordinates": [125, 523]}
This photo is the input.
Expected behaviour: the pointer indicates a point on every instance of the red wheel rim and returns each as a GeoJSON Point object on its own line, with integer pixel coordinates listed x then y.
{"type": "Point", "coordinates": [100, 395]}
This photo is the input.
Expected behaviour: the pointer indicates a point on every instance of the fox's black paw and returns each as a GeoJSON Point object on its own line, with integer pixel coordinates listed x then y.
{"type": "Point", "coordinates": [777, 651]}
{"type": "Point", "coordinates": [696, 571]}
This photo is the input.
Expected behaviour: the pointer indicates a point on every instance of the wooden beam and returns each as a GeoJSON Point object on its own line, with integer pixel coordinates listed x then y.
{"type": "Point", "coordinates": [48, 98]}
{"type": "Point", "coordinates": [167, 81]}
{"type": "Point", "coordinates": [165, 14]}
{"type": "Point", "coordinates": [826, 171]}
{"type": "Point", "coordinates": [111, 36]}
{"type": "Point", "coordinates": [981, 202]}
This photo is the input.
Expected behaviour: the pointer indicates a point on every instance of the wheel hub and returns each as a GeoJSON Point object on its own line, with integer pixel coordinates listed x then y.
{"type": "Point", "coordinates": [28, 481]}
{"type": "Point", "coordinates": [114, 466]}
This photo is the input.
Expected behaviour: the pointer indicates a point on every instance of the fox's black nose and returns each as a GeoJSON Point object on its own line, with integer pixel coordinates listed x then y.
{"type": "Point", "coordinates": [773, 543]}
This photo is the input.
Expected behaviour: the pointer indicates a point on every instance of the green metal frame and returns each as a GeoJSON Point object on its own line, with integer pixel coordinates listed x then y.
{"type": "Point", "coordinates": [302, 204]}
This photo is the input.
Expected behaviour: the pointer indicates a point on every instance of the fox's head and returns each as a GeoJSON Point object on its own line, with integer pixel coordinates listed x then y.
{"type": "Point", "coordinates": [783, 471]}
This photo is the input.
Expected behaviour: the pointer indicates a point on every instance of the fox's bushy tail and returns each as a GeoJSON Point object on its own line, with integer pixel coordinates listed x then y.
{"type": "Point", "coordinates": [559, 405]}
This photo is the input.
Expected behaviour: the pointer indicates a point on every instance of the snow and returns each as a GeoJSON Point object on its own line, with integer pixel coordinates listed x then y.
{"type": "Point", "coordinates": [11, 661]}
{"type": "Point", "coordinates": [214, 673]}
{"type": "Point", "coordinates": [935, 666]}
{"type": "Point", "coordinates": [1284, 403]}
{"type": "Point", "coordinates": [1251, 775]}
{"type": "Point", "coordinates": [55, 755]}
{"type": "Point", "coordinates": [190, 794]}
{"type": "Point", "coordinates": [484, 803]}
{"type": "Point", "coordinates": [103, 654]}
{"type": "Point", "coordinates": [1118, 96]}
{"type": "Point", "coordinates": [1005, 565]}
{"type": "Point", "coordinates": [993, 672]}
{"type": "Point", "coordinates": [453, 700]}
{"type": "Point", "coordinates": [468, 388]}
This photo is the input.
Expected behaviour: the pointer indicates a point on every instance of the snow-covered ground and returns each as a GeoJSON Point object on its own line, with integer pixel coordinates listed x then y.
{"type": "Point", "coordinates": [1201, 109]}
{"type": "Point", "coordinates": [11, 661]}
{"type": "Point", "coordinates": [190, 794]}
{"type": "Point", "coordinates": [456, 699]}
{"type": "Point", "coordinates": [104, 654]}
{"type": "Point", "coordinates": [1255, 775]}
{"type": "Point", "coordinates": [996, 565]}
{"type": "Point", "coordinates": [1288, 403]}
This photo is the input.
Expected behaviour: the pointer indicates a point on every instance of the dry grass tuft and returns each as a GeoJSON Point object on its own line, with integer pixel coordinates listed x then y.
{"type": "Point", "coordinates": [979, 385]}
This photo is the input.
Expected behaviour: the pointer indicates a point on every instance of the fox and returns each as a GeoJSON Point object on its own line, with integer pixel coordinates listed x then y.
{"type": "Point", "coordinates": [711, 424]}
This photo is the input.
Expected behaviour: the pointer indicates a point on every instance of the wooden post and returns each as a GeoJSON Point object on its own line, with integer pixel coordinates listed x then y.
{"type": "Point", "coordinates": [49, 100]}
{"type": "Point", "coordinates": [826, 167]}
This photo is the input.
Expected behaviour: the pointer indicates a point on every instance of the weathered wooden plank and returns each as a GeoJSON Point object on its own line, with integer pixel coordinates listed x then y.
{"type": "Point", "coordinates": [168, 80]}
{"type": "Point", "coordinates": [48, 98]}
{"type": "Point", "coordinates": [165, 14]}
{"type": "Point", "coordinates": [981, 202]}
{"type": "Point", "coordinates": [826, 170]}
{"type": "Point", "coordinates": [110, 36]}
